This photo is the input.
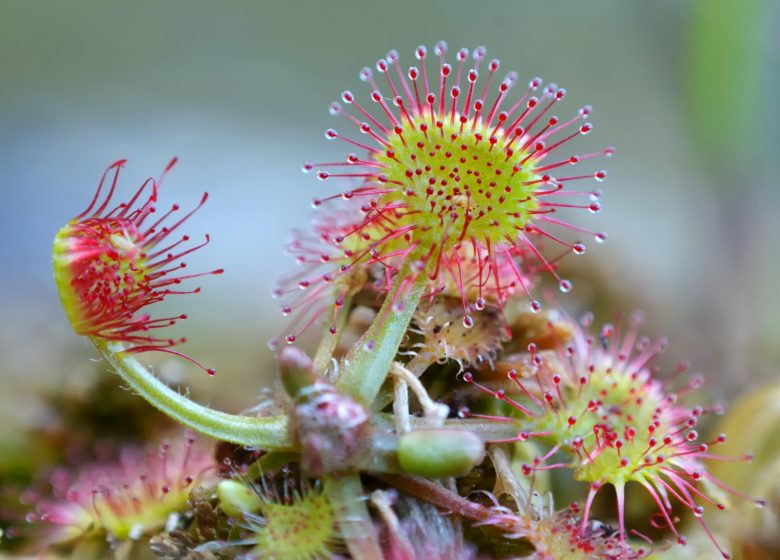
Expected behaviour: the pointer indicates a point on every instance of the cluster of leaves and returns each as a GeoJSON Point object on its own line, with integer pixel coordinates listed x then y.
{"type": "Point", "coordinates": [502, 504]}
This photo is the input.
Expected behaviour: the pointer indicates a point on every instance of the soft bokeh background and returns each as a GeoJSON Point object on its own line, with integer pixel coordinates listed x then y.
{"type": "Point", "coordinates": [686, 90]}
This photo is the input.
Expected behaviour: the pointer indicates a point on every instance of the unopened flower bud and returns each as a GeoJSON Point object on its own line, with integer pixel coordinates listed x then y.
{"type": "Point", "coordinates": [332, 428]}
{"type": "Point", "coordinates": [296, 371]}
{"type": "Point", "coordinates": [236, 498]}
{"type": "Point", "coordinates": [440, 453]}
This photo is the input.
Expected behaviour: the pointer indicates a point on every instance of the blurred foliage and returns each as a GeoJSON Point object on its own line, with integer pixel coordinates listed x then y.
{"type": "Point", "coordinates": [728, 84]}
{"type": "Point", "coordinates": [754, 425]}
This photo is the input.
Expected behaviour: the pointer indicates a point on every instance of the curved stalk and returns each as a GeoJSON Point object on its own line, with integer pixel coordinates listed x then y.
{"type": "Point", "coordinates": [269, 433]}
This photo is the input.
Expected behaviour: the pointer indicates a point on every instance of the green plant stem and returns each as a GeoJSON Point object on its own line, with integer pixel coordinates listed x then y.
{"type": "Point", "coordinates": [367, 364]}
{"type": "Point", "coordinates": [268, 433]}
{"type": "Point", "coordinates": [353, 518]}
{"type": "Point", "coordinates": [488, 430]}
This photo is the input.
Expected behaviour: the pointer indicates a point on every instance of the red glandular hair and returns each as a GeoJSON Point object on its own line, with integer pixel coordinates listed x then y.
{"type": "Point", "coordinates": [111, 262]}
{"type": "Point", "coordinates": [456, 179]}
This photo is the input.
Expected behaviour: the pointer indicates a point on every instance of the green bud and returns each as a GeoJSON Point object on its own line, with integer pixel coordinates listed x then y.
{"type": "Point", "coordinates": [440, 453]}
{"type": "Point", "coordinates": [296, 371]}
{"type": "Point", "coordinates": [236, 498]}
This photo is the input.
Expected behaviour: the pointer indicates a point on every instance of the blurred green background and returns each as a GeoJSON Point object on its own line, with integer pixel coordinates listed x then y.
{"type": "Point", "coordinates": [686, 90]}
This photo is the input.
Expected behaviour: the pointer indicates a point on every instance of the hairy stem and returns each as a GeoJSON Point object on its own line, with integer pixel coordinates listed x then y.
{"type": "Point", "coordinates": [488, 430]}
{"type": "Point", "coordinates": [329, 341]}
{"type": "Point", "coordinates": [367, 364]}
{"type": "Point", "coordinates": [509, 483]}
{"type": "Point", "coordinates": [269, 433]}
{"type": "Point", "coordinates": [353, 518]}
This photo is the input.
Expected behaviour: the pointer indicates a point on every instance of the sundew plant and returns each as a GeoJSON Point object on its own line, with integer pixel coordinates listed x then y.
{"type": "Point", "coordinates": [452, 408]}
